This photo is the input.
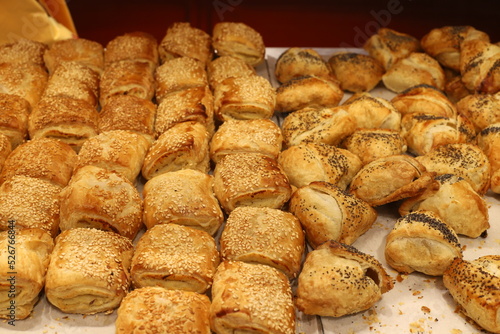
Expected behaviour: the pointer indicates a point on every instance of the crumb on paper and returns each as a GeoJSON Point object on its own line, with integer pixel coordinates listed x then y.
{"type": "Point", "coordinates": [456, 331]}
{"type": "Point", "coordinates": [425, 309]}
{"type": "Point", "coordinates": [416, 293]}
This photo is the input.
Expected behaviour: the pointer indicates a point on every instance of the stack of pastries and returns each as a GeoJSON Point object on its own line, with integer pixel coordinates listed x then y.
{"type": "Point", "coordinates": [168, 180]}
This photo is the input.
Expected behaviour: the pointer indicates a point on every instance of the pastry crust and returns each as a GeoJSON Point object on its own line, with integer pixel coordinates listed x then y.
{"type": "Point", "coordinates": [250, 179]}
{"type": "Point", "coordinates": [155, 310]}
{"type": "Point", "coordinates": [89, 271]}
{"type": "Point", "coordinates": [479, 66]}
{"type": "Point", "coordinates": [184, 197]}
{"type": "Point", "coordinates": [136, 45]}
{"type": "Point", "coordinates": [252, 298]}
{"type": "Point", "coordinates": [98, 198]}
{"type": "Point", "coordinates": [32, 248]}
{"type": "Point", "coordinates": [5, 149]}
{"type": "Point", "coordinates": [266, 236]}
{"type": "Point", "coordinates": [327, 212]}
{"type": "Point", "coordinates": [14, 114]}
{"type": "Point", "coordinates": [175, 257]}
{"type": "Point", "coordinates": [481, 109]}
{"type": "Point", "coordinates": [25, 80]}
{"type": "Point", "coordinates": [88, 52]}
{"type": "Point", "coordinates": [488, 141]}
{"type": "Point", "coordinates": [371, 112]}
{"type": "Point", "coordinates": [422, 241]}
{"type": "Point", "coordinates": [424, 99]}
{"type": "Point", "coordinates": [224, 67]}
{"type": "Point", "coordinates": [338, 280]}
{"type": "Point", "coordinates": [298, 62]}
{"type": "Point", "coordinates": [238, 40]}
{"type": "Point", "coordinates": [23, 50]}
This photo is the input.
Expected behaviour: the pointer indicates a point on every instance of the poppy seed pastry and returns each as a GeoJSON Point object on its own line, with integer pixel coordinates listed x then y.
{"type": "Point", "coordinates": [482, 110]}
{"type": "Point", "coordinates": [489, 142]}
{"type": "Point", "coordinates": [371, 112]}
{"type": "Point", "coordinates": [298, 62]}
{"type": "Point", "coordinates": [479, 66]}
{"type": "Point", "coordinates": [424, 99]}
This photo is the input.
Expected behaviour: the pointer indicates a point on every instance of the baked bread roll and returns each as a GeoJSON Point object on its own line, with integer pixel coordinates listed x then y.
{"type": "Point", "coordinates": [250, 179]}
{"type": "Point", "coordinates": [175, 257]}
{"type": "Point", "coordinates": [422, 241]}
{"type": "Point", "coordinates": [129, 113]}
{"type": "Point", "coordinates": [338, 280]}
{"type": "Point", "coordinates": [32, 249]}
{"type": "Point", "coordinates": [444, 43]}
{"type": "Point", "coordinates": [184, 197]}
{"type": "Point", "coordinates": [245, 136]}
{"type": "Point", "coordinates": [372, 144]}
{"type": "Point", "coordinates": [25, 80]}
{"type": "Point", "coordinates": [460, 206]}
{"type": "Point", "coordinates": [137, 45]}
{"type": "Point", "coordinates": [224, 67]}
{"type": "Point", "coordinates": [356, 72]}
{"type": "Point", "coordinates": [252, 298]}
{"type": "Point", "coordinates": [45, 158]}
{"type": "Point", "coordinates": [424, 99]}
{"type": "Point", "coordinates": [89, 271]}
{"type": "Point", "coordinates": [372, 112]}
{"type": "Point", "coordinates": [192, 104]}
{"type": "Point", "coordinates": [298, 62]}
{"type": "Point", "coordinates": [266, 236]}
{"type": "Point", "coordinates": [310, 125]}
{"type": "Point", "coordinates": [183, 40]}
{"type": "Point", "coordinates": [390, 179]}
{"type": "Point", "coordinates": [473, 285]}
{"type": "Point", "coordinates": [479, 66]}
{"type": "Point", "coordinates": [416, 69]}
{"type": "Point", "coordinates": [183, 146]}
{"type": "Point", "coordinates": [158, 310]}
{"type": "Point", "coordinates": [488, 141]}
{"type": "Point", "coordinates": [249, 97]}
{"type": "Point", "coordinates": [454, 87]}
{"type": "Point", "coordinates": [327, 212]}
{"type": "Point", "coordinates": [463, 159]}
{"type": "Point", "coordinates": [310, 162]}
{"type": "Point", "coordinates": [178, 74]}
{"type": "Point", "coordinates": [98, 198]}
{"type": "Point", "coordinates": [29, 203]}
{"type": "Point", "coordinates": [90, 53]}
{"type": "Point", "coordinates": [5, 149]}
{"type": "Point", "coordinates": [481, 109]}
{"type": "Point", "coordinates": [238, 40]}
{"type": "Point", "coordinates": [119, 151]}
{"type": "Point", "coordinates": [389, 46]}
{"type": "Point", "coordinates": [308, 91]}
{"type": "Point", "coordinates": [14, 114]}
{"type": "Point", "coordinates": [23, 50]}
{"type": "Point", "coordinates": [64, 118]}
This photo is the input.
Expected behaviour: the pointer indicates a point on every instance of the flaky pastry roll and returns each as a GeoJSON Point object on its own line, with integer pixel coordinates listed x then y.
{"type": "Point", "coordinates": [224, 67]}
{"type": "Point", "coordinates": [25, 80]}
{"type": "Point", "coordinates": [136, 45]}
{"type": "Point", "coordinates": [14, 114]}
{"type": "Point", "coordinates": [356, 72]}
{"type": "Point", "coordinates": [23, 50]}
{"type": "Point", "coordinates": [424, 99]}
{"type": "Point", "coordinates": [482, 110]}
{"type": "Point", "coordinates": [88, 52]}
{"type": "Point", "coordinates": [372, 112]}
{"type": "Point", "coordinates": [479, 66]}
{"type": "Point", "coordinates": [488, 141]}
{"type": "Point", "coordinates": [5, 149]}
{"type": "Point", "coordinates": [297, 62]}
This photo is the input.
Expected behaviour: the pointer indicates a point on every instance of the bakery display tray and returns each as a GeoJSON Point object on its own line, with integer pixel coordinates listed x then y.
{"type": "Point", "coordinates": [417, 303]}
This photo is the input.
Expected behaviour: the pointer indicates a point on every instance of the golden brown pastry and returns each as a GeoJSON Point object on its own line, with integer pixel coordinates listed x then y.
{"type": "Point", "coordinates": [239, 136]}
{"type": "Point", "coordinates": [25, 80]}
{"type": "Point", "coordinates": [416, 69]}
{"type": "Point", "coordinates": [184, 197]}
{"type": "Point", "coordinates": [371, 144]}
{"type": "Point", "coordinates": [460, 206]}
{"type": "Point", "coordinates": [30, 203]}
{"type": "Point", "coordinates": [119, 151]}
{"type": "Point", "coordinates": [479, 66]}
{"type": "Point", "coordinates": [327, 212]}
{"type": "Point", "coordinates": [5, 149]}
{"type": "Point", "coordinates": [45, 158]}
{"type": "Point", "coordinates": [175, 257]}
{"type": "Point", "coordinates": [88, 52]}
{"type": "Point", "coordinates": [388, 46]}
{"type": "Point", "coordinates": [98, 198]}
{"type": "Point", "coordinates": [310, 162]}
{"type": "Point", "coordinates": [14, 113]}
{"type": "Point", "coordinates": [224, 67]}
{"type": "Point", "coordinates": [178, 74]}
{"type": "Point", "coordinates": [444, 43]}
{"type": "Point", "coordinates": [184, 40]}
{"type": "Point", "coordinates": [24, 258]}
{"type": "Point", "coordinates": [454, 87]}
{"type": "Point", "coordinates": [266, 236]}
{"type": "Point", "coordinates": [338, 280]}
{"type": "Point", "coordinates": [422, 241]}
{"type": "Point", "coordinates": [372, 112]}
{"type": "Point", "coordinates": [308, 91]}
{"type": "Point", "coordinates": [249, 97]}
{"type": "Point", "coordinates": [89, 271]}
{"type": "Point", "coordinates": [356, 72]}
{"type": "Point", "coordinates": [191, 104]}
{"type": "Point", "coordinates": [23, 50]}
{"type": "Point", "coordinates": [130, 113]}
{"type": "Point", "coordinates": [481, 109]}
{"type": "Point", "coordinates": [298, 62]}
{"type": "Point", "coordinates": [392, 178]}
{"type": "Point", "coordinates": [238, 40]}
{"type": "Point", "coordinates": [251, 298]}
{"type": "Point", "coordinates": [325, 125]}
{"type": "Point", "coordinates": [184, 145]}
{"type": "Point", "coordinates": [463, 159]}
{"type": "Point", "coordinates": [155, 310]}
{"type": "Point", "coordinates": [250, 179]}
{"type": "Point", "coordinates": [424, 99]}
{"type": "Point", "coordinates": [488, 141]}
{"type": "Point", "coordinates": [66, 119]}
{"type": "Point", "coordinates": [473, 285]}
{"type": "Point", "coordinates": [132, 46]}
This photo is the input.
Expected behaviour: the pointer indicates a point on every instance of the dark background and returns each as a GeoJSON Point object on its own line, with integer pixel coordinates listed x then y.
{"type": "Point", "coordinates": [285, 23]}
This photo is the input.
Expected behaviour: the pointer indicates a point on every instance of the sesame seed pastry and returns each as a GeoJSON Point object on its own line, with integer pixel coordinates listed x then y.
{"type": "Point", "coordinates": [25, 80]}
{"type": "Point", "coordinates": [5, 149]}
{"type": "Point", "coordinates": [23, 50]}
{"type": "Point", "coordinates": [224, 67]}
{"type": "Point", "coordinates": [136, 45]}
{"type": "Point", "coordinates": [86, 51]}
{"type": "Point", "coordinates": [14, 114]}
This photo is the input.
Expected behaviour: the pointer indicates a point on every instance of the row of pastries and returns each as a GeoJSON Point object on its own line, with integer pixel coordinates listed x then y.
{"type": "Point", "coordinates": [190, 118]}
